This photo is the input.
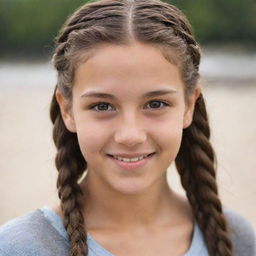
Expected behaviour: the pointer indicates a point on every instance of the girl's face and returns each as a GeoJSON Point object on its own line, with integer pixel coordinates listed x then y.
{"type": "Point", "coordinates": [128, 102]}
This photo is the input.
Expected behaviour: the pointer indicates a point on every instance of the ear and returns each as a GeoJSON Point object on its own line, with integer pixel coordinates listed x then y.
{"type": "Point", "coordinates": [188, 116]}
{"type": "Point", "coordinates": [66, 111]}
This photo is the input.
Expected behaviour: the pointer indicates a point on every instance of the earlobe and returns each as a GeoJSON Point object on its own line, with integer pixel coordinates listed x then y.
{"type": "Point", "coordinates": [186, 123]}
{"type": "Point", "coordinates": [187, 120]}
{"type": "Point", "coordinates": [66, 113]}
{"type": "Point", "coordinates": [188, 117]}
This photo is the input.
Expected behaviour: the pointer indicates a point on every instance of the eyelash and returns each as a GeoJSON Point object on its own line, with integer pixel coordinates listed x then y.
{"type": "Point", "coordinates": [93, 106]}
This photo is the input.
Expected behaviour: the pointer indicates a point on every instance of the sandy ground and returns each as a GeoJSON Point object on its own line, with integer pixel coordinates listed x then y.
{"type": "Point", "coordinates": [28, 175]}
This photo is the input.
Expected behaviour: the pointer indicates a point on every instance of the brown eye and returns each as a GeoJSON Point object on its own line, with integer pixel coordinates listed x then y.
{"type": "Point", "coordinates": [100, 107]}
{"type": "Point", "coordinates": [157, 104]}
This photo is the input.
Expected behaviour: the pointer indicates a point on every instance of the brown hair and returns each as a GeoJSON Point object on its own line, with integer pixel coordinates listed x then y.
{"type": "Point", "coordinates": [164, 26]}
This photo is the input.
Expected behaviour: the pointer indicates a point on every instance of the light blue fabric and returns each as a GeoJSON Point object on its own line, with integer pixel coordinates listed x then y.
{"type": "Point", "coordinates": [197, 245]}
{"type": "Point", "coordinates": [42, 233]}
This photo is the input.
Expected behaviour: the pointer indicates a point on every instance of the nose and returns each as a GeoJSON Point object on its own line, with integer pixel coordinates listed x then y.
{"type": "Point", "coordinates": [130, 132]}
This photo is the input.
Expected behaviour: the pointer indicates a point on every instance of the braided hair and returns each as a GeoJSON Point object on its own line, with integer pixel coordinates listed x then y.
{"type": "Point", "coordinates": [164, 26]}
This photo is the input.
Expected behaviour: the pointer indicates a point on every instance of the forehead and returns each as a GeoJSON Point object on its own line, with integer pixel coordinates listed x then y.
{"type": "Point", "coordinates": [127, 66]}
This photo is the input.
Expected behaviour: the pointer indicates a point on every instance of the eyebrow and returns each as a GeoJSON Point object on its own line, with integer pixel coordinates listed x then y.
{"type": "Point", "coordinates": [146, 95]}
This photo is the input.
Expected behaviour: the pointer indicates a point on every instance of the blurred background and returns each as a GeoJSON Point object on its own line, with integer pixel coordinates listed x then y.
{"type": "Point", "coordinates": [226, 31]}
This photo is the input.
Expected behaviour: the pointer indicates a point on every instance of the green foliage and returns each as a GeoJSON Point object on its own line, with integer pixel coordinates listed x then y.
{"type": "Point", "coordinates": [30, 26]}
{"type": "Point", "coordinates": [221, 21]}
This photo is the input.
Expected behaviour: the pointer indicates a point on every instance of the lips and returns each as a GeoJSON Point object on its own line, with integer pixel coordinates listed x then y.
{"type": "Point", "coordinates": [131, 163]}
{"type": "Point", "coordinates": [130, 159]}
{"type": "Point", "coordinates": [138, 155]}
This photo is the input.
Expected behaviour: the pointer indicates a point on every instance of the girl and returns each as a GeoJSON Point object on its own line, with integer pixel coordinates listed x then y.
{"type": "Point", "coordinates": [126, 106]}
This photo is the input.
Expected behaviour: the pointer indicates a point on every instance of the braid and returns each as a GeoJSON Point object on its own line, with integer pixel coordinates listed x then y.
{"type": "Point", "coordinates": [195, 164]}
{"type": "Point", "coordinates": [70, 165]}
{"type": "Point", "coordinates": [195, 160]}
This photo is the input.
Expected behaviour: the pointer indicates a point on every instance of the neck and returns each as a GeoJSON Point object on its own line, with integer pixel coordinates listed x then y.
{"type": "Point", "coordinates": [107, 208]}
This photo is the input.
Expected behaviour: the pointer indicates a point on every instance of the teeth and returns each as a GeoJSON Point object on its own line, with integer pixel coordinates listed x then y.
{"type": "Point", "coordinates": [129, 159]}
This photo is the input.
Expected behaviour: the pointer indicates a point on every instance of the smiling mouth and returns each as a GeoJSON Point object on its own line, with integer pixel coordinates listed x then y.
{"type": "Point", "coordinates": [133, 159]}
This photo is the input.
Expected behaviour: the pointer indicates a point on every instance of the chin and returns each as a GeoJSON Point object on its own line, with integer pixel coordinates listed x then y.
{"type": "Point", "coordinates": [130, 188]}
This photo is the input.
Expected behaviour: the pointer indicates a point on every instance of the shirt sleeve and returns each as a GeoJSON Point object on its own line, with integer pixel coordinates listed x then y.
{"type": "Point", "coordinates": [242, 234]}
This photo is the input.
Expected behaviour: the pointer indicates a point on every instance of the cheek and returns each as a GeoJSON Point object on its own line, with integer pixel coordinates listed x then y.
{"type": "Point", "coordinates": [168, 134]}
{"type": "Point", "coordinates": [91, 137]}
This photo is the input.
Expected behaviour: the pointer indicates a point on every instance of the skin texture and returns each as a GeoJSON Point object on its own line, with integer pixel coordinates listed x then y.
{"type": "Point", "coordinates": [121, 203]}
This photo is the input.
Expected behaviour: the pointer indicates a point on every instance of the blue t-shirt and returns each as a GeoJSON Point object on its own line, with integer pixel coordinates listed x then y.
{"type": "Point", "coordinates": [42, 233]}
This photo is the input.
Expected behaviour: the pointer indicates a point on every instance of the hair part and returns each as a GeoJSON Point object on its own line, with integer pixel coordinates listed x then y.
{"type": "Point", "coordinates": [164, 26]}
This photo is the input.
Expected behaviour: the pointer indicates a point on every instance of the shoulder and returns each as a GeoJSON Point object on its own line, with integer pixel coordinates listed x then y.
{"type": "Point", "coordinates": [31, 234]}
{"type": "Point", "coordinates": [242, 234]}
